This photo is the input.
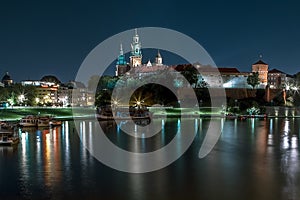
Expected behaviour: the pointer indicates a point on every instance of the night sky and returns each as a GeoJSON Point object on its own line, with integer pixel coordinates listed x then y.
{"type": "Point", "coordinates": [53, 37]}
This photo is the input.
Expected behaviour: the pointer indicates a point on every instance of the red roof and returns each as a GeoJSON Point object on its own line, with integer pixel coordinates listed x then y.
{"type": "Point", "coordinates": [260, 62]}
{"type": "Point", "coordinates": [228, 70]}
{"type": "Point", "coordinates": [276, 71]}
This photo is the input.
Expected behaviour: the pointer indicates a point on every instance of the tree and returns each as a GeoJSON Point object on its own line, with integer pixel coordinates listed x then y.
{"type": "Point", "coordinates": [202, 84]}
{"type": "Point", "coordinates": [18, 94]}
{"type": "Point", "coordinates": [93, 82]}
{"type": "Point", "coordinates": [253, 79]}
{"type": "Point", "coordinates": [297, 77]}
{"type": "Point", "coordinates": [107, 82]}
{"type": "Point", "coordinates": [191, 74]}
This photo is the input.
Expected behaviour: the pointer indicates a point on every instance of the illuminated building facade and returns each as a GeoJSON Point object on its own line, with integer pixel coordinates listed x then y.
{"type": "Point", "coordinates": [262, 69]}
{"type": "Point", "coordinates": [51, 91]}
{"type": "Point", "coordinates": [277, 79]}
{"type": "Point", "coordinates": [46, 92]}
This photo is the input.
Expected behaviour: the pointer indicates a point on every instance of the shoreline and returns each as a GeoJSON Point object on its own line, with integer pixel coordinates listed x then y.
{"type": "Point", "coordinates": [15, 114]}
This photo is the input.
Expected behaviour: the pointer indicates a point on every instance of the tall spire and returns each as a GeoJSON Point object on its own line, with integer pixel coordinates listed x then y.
{"type": "Point", "coordinates": [136, 33]}
{"type": "Point", "coordinates": [121, 58]}
{"type": "Point", "coordinates": [158, 54]}
{"type": "Point", "coordinates": [158, 58]}
{"type": "Point", "coordinates": [121, 49]}
{"type": "Point", "coordinates": [136, 52]}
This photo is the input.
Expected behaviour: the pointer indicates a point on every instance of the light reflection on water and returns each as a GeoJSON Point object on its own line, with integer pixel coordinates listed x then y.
{"type": "Point", "coordinates": [254, 159]}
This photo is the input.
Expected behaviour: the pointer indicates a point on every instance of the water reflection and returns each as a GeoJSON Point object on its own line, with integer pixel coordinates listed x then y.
{"type": "Point", "coordinates": [257, 157]}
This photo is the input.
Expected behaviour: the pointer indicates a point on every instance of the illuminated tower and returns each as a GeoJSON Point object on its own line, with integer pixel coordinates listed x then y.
{"type": "Point", "coordinates": [136, 53]}
{"type": "Point", "coordinates": [158, 58]}
{"type": "Point", "coordinates": [262, 69]}
{"type": "Point", "coordinates": [121, 67]}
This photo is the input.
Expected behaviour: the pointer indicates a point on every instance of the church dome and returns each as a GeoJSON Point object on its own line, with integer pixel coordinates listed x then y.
{"type": "Point", "coordinates": [6, 80]}
{"type": "Point", "coordinates": [51, 78]}
{"type": "Point", "coordinates": [6, 77]}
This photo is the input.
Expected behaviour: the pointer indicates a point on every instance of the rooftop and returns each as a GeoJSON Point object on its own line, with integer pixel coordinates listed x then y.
{"type": "Point", "coordinates": [260, 62]}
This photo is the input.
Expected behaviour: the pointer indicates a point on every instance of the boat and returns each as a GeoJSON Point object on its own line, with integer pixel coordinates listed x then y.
{"type": "Point", "coordinates": [231, 116]}
{"type": "Point", "coordinates": [133, 114]}
{"type": "Point", "coordinates": [55, 123]}
{"type": "Point", "coordinates": [38, 121]}
{"type": "Point", "coordinates": [48, 121]}
{"type": "Point", "coordinates": [43, 121]}
{"type": "Point", "coordinates": [7, 135]}
{"type": "Point", "coordinates": [28, 121]}
{"type": "Point", "coordinates": [7, 140]}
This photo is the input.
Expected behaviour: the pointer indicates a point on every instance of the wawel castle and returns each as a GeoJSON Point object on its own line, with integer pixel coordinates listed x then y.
{"type": "Point", "coordinates": [231, 77]}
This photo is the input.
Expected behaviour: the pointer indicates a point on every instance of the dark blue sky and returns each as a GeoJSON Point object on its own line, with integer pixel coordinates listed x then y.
{"type": "Point", "coordinates": [53, 37]}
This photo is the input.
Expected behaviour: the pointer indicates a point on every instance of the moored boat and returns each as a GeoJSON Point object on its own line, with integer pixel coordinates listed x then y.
{"type": "Point", "coordinates": [38, 121]}
{"type": "Point", "coordinates": [55, 123]}
{"type": "Point", "coordinates": [7, 136]}
{"type": "Point", "coordinates": [29, 120]}
{"type": "Point", "coordinates": [43, 121]}
{"type": "Point", "coordinates": [134, 114]}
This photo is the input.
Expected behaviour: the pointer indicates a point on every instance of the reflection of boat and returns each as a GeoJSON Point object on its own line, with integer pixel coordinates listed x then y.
{"type": "Point", "coordinates": [6, 140]}
{"type": "Point", "coordinates": [133, 114]}
{"type": "Point", "coordinates": [231, 116]}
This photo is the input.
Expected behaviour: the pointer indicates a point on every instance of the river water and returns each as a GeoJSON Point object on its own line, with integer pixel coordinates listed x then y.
{"type": "Point", "coordinates": [253, 159]}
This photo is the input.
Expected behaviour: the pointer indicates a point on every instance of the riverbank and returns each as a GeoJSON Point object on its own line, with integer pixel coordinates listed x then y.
{"type": "Point", "coordinates": [16, 113]}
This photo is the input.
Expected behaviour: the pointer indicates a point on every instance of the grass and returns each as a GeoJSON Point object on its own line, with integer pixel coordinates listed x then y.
{"type": "Point", "coordinates": [67, 113]}
{"type": "Point", "coordinates": [186, 111]}
{"type": "Point", "coordinates": [18, 113]}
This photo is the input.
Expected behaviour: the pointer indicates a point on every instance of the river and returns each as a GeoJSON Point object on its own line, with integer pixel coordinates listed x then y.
{"type": "Point", "coordinates": [253, 159]}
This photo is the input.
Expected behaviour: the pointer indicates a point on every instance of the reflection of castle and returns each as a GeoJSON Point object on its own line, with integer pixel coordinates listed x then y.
{"type": "Point", "coordinates": [136, 59]}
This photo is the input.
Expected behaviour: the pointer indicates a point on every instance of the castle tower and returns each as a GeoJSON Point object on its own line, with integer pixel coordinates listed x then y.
{"type": "Point", "coordinates": [7, 80]}
{"type": "Point", "coordinates": [158, 59]}
{"type": "Point", "coordinates": [121, 67]}
{"type": "Point", "coordinates": [262, 69]}
{"type": "Point", "coordinates": [136, 53]}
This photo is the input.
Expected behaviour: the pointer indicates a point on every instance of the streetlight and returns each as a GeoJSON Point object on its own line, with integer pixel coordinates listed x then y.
{"type": "Point", "coordinates": [21, 98]}
{"type": "Point", "coordinates": [138, 103]}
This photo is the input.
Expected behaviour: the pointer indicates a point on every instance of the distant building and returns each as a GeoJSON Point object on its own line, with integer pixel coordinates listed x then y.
{"type": "Point", "coordinates": [46, 89]}
{"type": "Point", "coordinates": [233, 78]}
{"type": "Point", "coordinates": [7, 80]}
{"type": "Point", "coordinates": [262, 69]}
{"type": "Point", "coordinates": [277, 79]}
{"type": "Point", "coordinates": [51, 79]}
{"type": "Point", "coordinates": [75, 93]}
{"type": "Point", "coordinates": [219, 77]}
{"type": "Point", "coordinates": [50, 90]}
